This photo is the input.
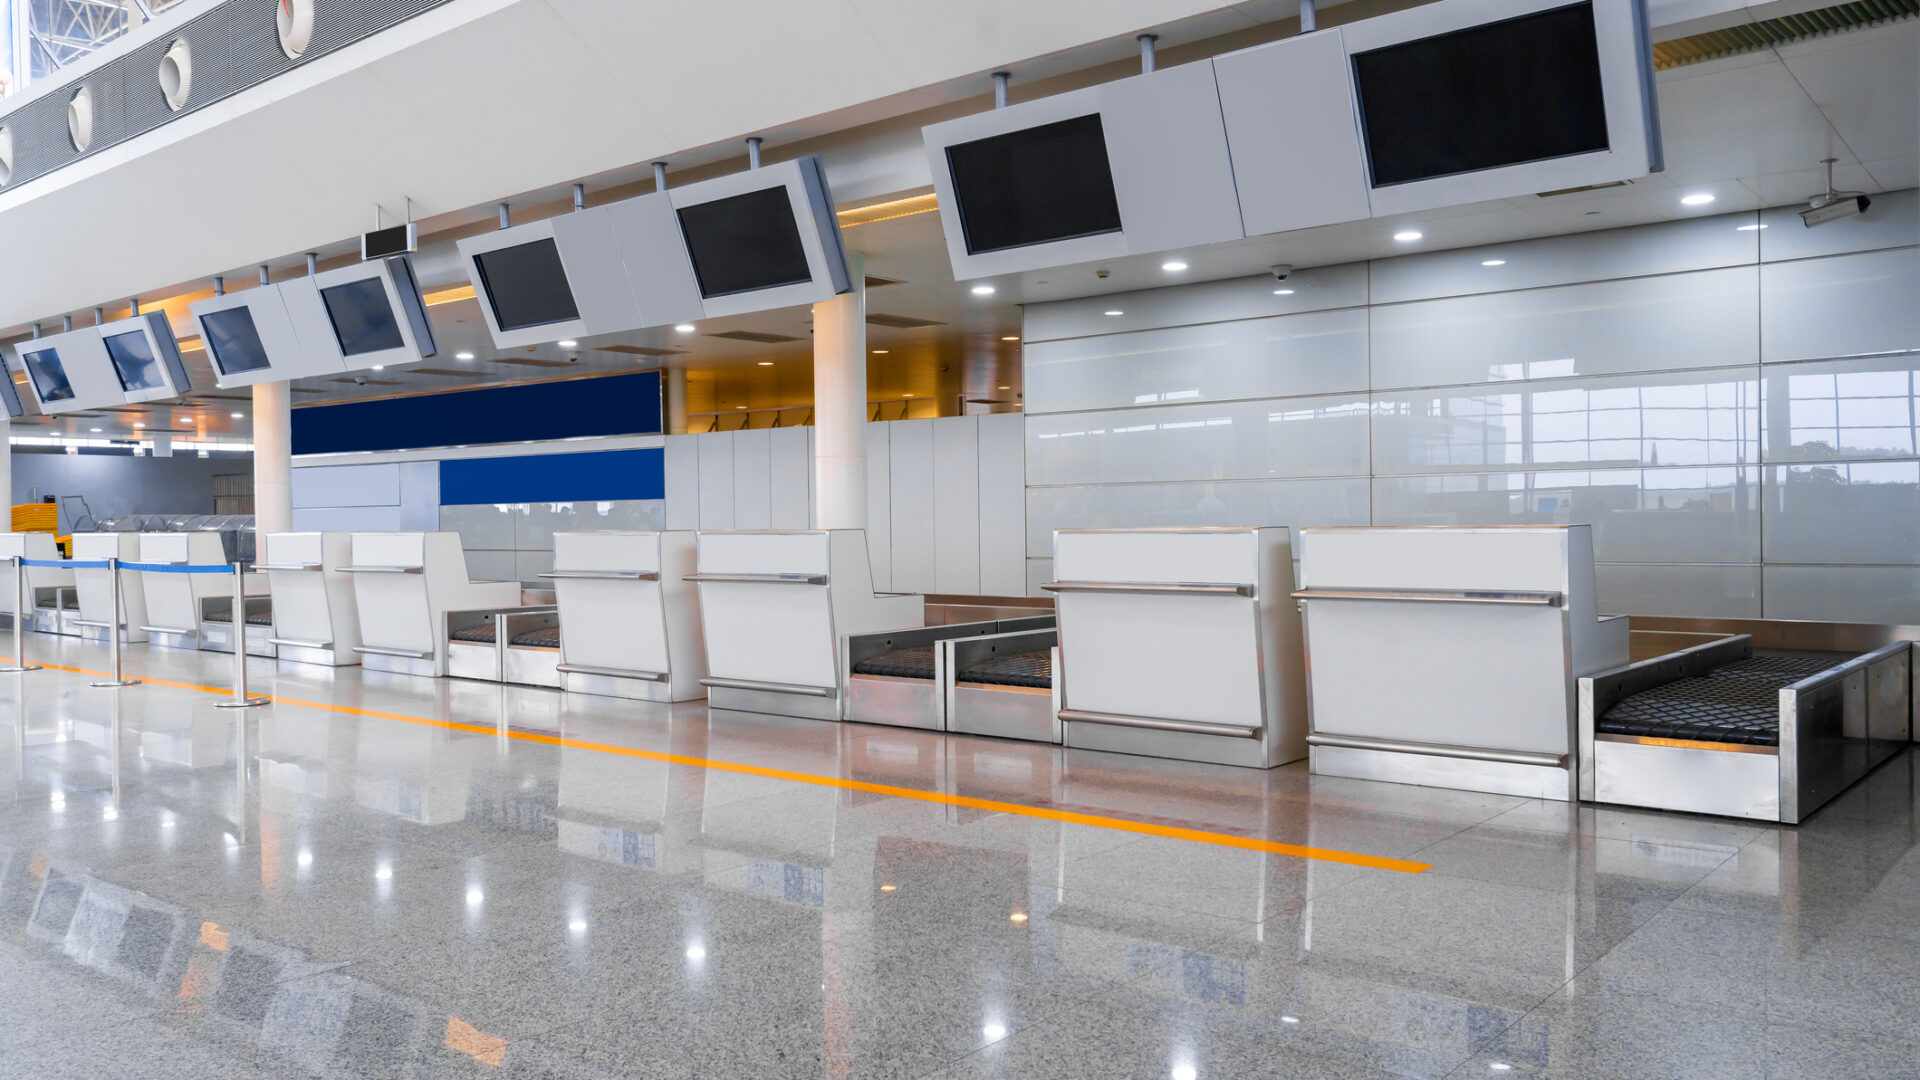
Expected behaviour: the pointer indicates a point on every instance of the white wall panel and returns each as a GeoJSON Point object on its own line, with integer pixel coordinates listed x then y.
{"type": "Point", "coordinates": [1892, 221]}
{"type": "Point", "coordinates": [792, 477]}
{"type": "Point", "coordinates": [956, 505]}
{"type": "Point", "coordinates": [347, 485]}
{"type": "Point", "coordinates": [716, 479]}
{"type": "Point", "coordinates": [1039, 572]}
{"type": "Point", "coordinates": [1293, 503]}
{"type": "Point", "coordinates": [1315, 289]}
{"type": "Point", "coordinates": [1841, 409]}
{"type": "Point", "coordinates": [1844, 512]}
{"type": "Point", "coordinates": [682, 462]}
{"type": "Point", "coordinates": [1243, 440]}
{"type": "Point", "coordinates": [1679, 418]}
{"type": "Point", "coordinates": [910, 479]}
{"type": "Point", "coordinates": [880, 505]}
{"type": "Point", "coordinates": [1666, 248]}
{"type": "Point", "coordinates": [753, 479]}
{"type": "Point", "coordinates": [1680, 589]}
{"type": "Point", "coordinates": [1703, 319]}
{"type": "Point", "coordinates": [1709, 515]}
{"type": "Point", "coordinates": [347, 519]}
{"type": "Point", "coordinates": [1878, 594]}
{"type": "Point", "coordinates": [1291, 356]}
{"type": "Point", "coordinates": [1846, 305]}
{"type": "Point", "coordinates": [1003, 504]}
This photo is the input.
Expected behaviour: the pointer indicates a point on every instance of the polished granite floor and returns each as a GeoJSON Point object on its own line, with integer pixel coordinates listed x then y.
{"type": "Point", "coordinates": [364, 890]}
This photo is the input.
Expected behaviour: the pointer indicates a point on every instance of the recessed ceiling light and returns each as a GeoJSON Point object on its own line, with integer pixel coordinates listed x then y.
{"type": "Point", "coordinates": [1698, 198]}
{"type": "Point", "coordinates": [96, 430]}
{"type": "Point", "coordinates": [1493, 262]}
{"type": "Point", "coordinates": [139, 425]}
{"type": "Point", "coordinates": [186, 421]}
{"type": "Point", "coordinates": [238, 415]}
{"type": "Point", "coordinates": [1173, 266]}
{"type": "Point", "coordinates": [766, 363]}
{"type": "Point", "coordinates": [983, 290]}
{"type": "Point", "coordinates": [1408, 236]}
{"type": "Point", "coordinates": [1011, 337]}
{"type": "Point", "coordinates": [1749, 228]}
{"type": "Point", "coordinates": [569, 344]}
{"type": "Point", "coordinates": [463, 356]}
{"type": "Point", "coordinates": [906, 395]}
{"type": "Point", "coordinates": [379, 367]}
{"type": "Point", "coordinates": [683, 328]}
{"type": "Point", "coordinates": [1003, 388]}
{"type": "Point", "coordinates": [739, 406]}
{"type": "Point", "coordinates": [1283, 292]}
{"type": "Point", "coordinates": [879, 352]}
{"type": "Point", "coordinates": [1115, 311]}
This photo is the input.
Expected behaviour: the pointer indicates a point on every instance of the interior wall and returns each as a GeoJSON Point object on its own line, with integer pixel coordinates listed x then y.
{"type": "Point", "coordinates": [123, 484]}
{"type": "Point", "coordinates": [1730, 401]}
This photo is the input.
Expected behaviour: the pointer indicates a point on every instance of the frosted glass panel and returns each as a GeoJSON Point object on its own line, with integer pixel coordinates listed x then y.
{"type": "Point", "coordinates": [1318, 288]}
{"type": "Point", "coordinates": [1868, 408]}
{"type": "Point", "coordinates": [1294, 503]}
{"type": "Point", "coordinates": [1701, 592]}
{"type": "Point", "coordinates": [1704, 319]}
{"type": "Point", "coordinates": [1843, 306]}
{"type": "Point", "coordinates": [1323, 436]}
{"type": "Point", "coordinates": [1638, 515]}
{"type": "Point", "coordinates": [1708, 418]}
{"type": "Point", "coordinates": [1844, 512]}
{"type": "Point", "coordinates": [1321, 353]}
{"type": "Point", "coordinates": [481, 527]}
{"type": "Point", "coordinates": [1881, 594]}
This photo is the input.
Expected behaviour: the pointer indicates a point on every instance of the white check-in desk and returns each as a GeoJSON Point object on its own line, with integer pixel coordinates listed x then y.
{"type": "Point", "coordinates": [316, 619]}
{"type": "Point", "coordinates": [404, 585]}
{"type": "Point", "coordinates": [94, 586]}
{"type": "Point", "coordinates": [777, 608]}
{"type": "Point", "coordinates": [630, 621]}
{"type": "Point", "coordinates": [45, 586]}
{"type": "Point", "coordinates": [1180, 643]}
{"type": "Point", "coordinates": [174, 600]}
{"type": "Point", "coordinates": [1448, 656]}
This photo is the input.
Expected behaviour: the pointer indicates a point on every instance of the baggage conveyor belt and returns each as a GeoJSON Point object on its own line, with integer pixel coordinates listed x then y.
{"type": "Point", "coordinates": [1034, 668]}
{"type": "Point", "coordinates": [547, 637]}
{"type": "Point", "coordinates": [1737, 702]}
{"type": "Point", "coordinates": [257, 619]}
{"type": "Point", "coordinates": [913, 662]}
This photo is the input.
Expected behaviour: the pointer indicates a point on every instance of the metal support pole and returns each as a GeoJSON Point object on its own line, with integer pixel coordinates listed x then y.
{"type": "Point", "coordinates": [113, 627]}
{"type": "Point", "coordinates": [19, 618]}
{"type": "Point", "coordinates": [579, 197]}
{"type": "Point", "coordinates": [1306, 16]}
{"type": "Point", "coordinates": [313, 263]}
{"type": "Point", "coordinates": [506, 221]}
{"type": "Point", "coordinates": [1146, 52]}
{"type": "Point", "coordinates": [240, 698]}
{"type": "Point", "coordinates": [219, 285]}
{"type": "Point", "coordinates": [659, 176]}
{"type": "Point", "coordinates": [1000, 80]}
{"type": "Point", "coordinates": [753, 152]}
{"type": "Point", "coordinates": [265, 277]}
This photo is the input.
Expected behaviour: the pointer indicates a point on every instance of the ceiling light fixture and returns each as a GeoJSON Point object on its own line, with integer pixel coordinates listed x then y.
{"type": "Point", "coordinates": [138, 426]}
{"type": "Point", "coordinates": [879, 352]}
{"type": "Point", "coordinates": [569, 344]}
{"type": "Point", "coordinates": [1114, 311]}
{"type": "Point", "coordinates": [238, 415]}
{"type": "Point", "coordinates": [1011, 337]}
{"type": "Point", "coordinates": [1493, 262]}
{"type": "Point", "coordinates": [1173, 266]}
{"type": "Point", "coordinates": [379, 367]}
{"type": "Point", "coordinates": [766, 363]}
{"type": "Point", "coordinates": [1003, 388]}
{"type": "Point", "coordinates": [983, 290]}
{"type": "Point", "coordinates": [1408, 236]}
{"type": "Point", "coordinates": [463, 356]}
{"type": "Point", "coordinates": [1698, 198]}
{"type": "Point", "coordinates": [1283, 292]}
{"type": "Point", "coordinates": [96, 431]}
{"type": "Point", "coordinates": [906, 395]}
{"type": "Point", "coordinates": [1748, 228]}
{"type": "Point", "coordinates": [683, 328]}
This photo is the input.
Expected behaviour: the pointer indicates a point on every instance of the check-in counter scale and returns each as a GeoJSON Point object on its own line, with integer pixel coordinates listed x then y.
{"type": "Point", "coordinates": [315, 616]}
{"type": "Point", "coordinates": [778, 609]}
{"type": "Point", "coordinates": [406, 587]}
{"type": "Point", "coordinates": [1446, 656]}
{"type": "Point", "coordinates": [1180, 643]}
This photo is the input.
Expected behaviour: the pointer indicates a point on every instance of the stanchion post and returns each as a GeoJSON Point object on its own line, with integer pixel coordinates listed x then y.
{"type": "Point", "coordinates": [19, 614]}
{"type": "Point", "coordinates": [114, 627]}
{"type": "Point", "coordinates": [240, 698]}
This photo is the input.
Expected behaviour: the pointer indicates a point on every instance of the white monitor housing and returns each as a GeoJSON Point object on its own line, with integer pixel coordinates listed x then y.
{"type": "Point", "coordinates": [69, 372]}
{"type": "Point", "coordinates": [145, 358]}
{"type": "Point", "coordinates": [359, 317]}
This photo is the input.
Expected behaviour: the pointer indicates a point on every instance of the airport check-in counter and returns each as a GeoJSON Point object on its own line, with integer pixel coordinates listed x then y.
{"type": "Point", "coordinates": [1447, 656]}
{"type": "Point", "coordinates": [777, 610]}
{"type": "Point", "coordinates": [405, 584]}
{"type": "Point", "coordinates": [1180, 643]}
{"type": "Point", "coordinates": [1723, 728]}
{"type": "Point", "coordinates": [516, 645]}
{"type": "Point", "coordinates": [49, 590]}
{"type": "Point", "coordinates": [634, 619]}
{"type": "Point", "coordinates": [177, 603]}
{"type": "Point", "coordinates": [94, 587]}
{"type": "Point", "coordinates": [1005, 684]}
{"type": "Point", "coordinates": [904, 678]}
{"type": "Point", "coordinates": [316, 619]}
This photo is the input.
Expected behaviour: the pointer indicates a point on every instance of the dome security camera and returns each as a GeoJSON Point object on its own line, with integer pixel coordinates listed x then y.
{"type": "Point", "coordinates": [1281, 271]}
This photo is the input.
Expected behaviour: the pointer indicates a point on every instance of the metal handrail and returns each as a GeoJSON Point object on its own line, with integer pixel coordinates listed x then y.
{"type": "Point", "coordinates": [1440, 596]}
{"type": "Point", "coordinates": [409, 654]}
{"type": "Point", "coordinates": [1470, 753]}
{"type": "Point", "coordinates": [602, 575]}
{"type": "Point", "coordinates": [770, 687]}
{"type": "Point", "coordinates": [614, 673]}
{"type": "Point", "coordinates": [1152, 588]}
{"type": "Point", "coordinates": [1191, 727]}
{"type": "Point", "coordinates": [762, 579]}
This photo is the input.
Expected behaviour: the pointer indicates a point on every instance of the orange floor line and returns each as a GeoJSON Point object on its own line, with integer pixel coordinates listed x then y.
{"type": "Point", "coordinates": [1045, 813]}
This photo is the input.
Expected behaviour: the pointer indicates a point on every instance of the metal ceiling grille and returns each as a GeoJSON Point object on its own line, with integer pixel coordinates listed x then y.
{"type": "Point", "coordinates": [1773, 33]}
{"type": "Point", "coordinates": [235, 47]}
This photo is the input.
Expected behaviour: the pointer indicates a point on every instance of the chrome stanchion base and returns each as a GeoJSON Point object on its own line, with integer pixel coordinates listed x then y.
{"type": "Point", "coordinates": [243, 703]}
{"type": "Point", "coordinates": [116, 682]}
{"type": "Point", "coordinates": [12, 668]}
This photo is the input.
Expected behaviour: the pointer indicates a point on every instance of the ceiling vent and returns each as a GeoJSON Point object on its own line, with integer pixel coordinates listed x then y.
{"type": "Point", "coordinates": [638, 350]}
{"type": "Point", "coordinates": [449, 373]}
{"type": "Point", "coordinates": [874, 281]}
{"type": "Point", "coordinates": [757, 337]}
{"type": "Point", "coordinates": [1785, 30]}
{"type": "Point", "coordinates": [901, 322]}
{"type": "Point", "coordinates": [532, 361]}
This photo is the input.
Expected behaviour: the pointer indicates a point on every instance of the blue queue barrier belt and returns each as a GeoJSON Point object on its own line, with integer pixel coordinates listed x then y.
{"type": "Point", "coordinates": [169, 568]}
{"type": "Point", "coordinates": [66, 564]}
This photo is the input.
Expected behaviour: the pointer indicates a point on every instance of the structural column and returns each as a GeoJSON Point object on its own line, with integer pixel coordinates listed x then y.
{"type": "Point", "coordinates": [272, 458]}
{"type": "Point", "coordinates": [675, 389]}
{"type": "Point", "coordinates": [840, 405]}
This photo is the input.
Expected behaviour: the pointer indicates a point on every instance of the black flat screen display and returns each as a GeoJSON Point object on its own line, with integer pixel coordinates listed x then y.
{"type": "Point", "coordinates": [1046, 183]}
{"type": "Point", "coordinates": [133, 361]}
{"type": "Point", "coordinates": [1525, 89]}
{"type": "Point", "coordinates": [234, 341]}
{"type": "Point", "coordinates": [745, 242]}
{"type": "Point", "coordinates": [362, 318]}
{"type": "Point", "coordinates": [527, 285]}
{"type": "Point", "coordinates": [49, 375]}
